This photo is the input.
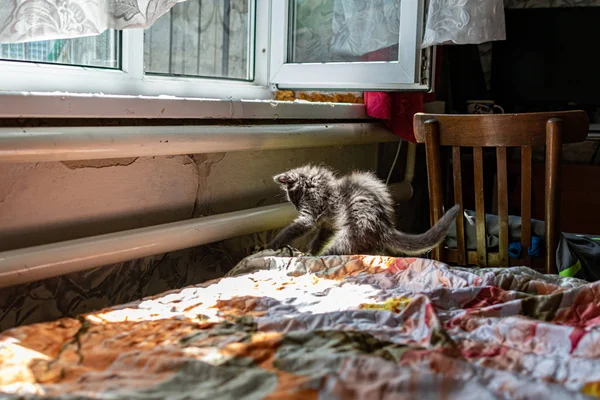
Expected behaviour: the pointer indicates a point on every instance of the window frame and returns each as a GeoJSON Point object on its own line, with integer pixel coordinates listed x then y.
{"type": "Point", "coordinates": [269, 25]}
{"type": "Point", "coordinates": [406, 73]}
{"type": "Point", "coordinates": [130, 79]}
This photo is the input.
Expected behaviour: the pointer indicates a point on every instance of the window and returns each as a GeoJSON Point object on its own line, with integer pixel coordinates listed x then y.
{"type": "Point", "coordinates": [100, 51]}
{"type": "Point", "coordinates": [347, 45]}
{"type": "Point", "coordinates": [202, 39]}
{"type": "Point", "coordinates": [200, 49]}
{"type": "Point", "coordinates": [234, 49]}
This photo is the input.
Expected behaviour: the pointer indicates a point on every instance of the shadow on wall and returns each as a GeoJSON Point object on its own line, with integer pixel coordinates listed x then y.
{"type": "Point", "coordinates": [50, 202]}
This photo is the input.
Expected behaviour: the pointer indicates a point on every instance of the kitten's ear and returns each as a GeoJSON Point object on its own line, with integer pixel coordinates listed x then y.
{"type": "Point", "coordinates": [285, 178]}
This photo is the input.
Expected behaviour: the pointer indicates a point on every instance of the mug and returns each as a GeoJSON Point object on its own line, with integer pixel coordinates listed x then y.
{"type": "Point", "coordinates": [483, 107]}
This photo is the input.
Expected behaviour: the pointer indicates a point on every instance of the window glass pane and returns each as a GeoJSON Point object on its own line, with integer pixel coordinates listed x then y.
{"type": "Point", "coordinates": [93, 51]}
{"type": "Point", "coordinates": [344, 31]}
{"type": "Point", "coordinates": [209, 38]}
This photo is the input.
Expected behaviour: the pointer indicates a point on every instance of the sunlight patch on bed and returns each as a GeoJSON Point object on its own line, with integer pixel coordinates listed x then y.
{"type": "Point", "coordinates": [14, 362]}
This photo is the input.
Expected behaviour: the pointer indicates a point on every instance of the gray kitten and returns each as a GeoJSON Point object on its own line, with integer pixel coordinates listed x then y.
{"type": "Point", "coordinates": [352, 214]}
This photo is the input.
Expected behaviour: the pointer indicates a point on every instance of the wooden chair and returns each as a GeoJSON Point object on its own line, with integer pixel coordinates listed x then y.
{"type": "Point", "coordinates": [501, 131]}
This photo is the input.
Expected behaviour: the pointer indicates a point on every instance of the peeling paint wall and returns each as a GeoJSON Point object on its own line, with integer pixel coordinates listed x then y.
{"type": "Point", "coordinates": [55, 201]}
{"type": "Point", "coordinates": [49, 202]}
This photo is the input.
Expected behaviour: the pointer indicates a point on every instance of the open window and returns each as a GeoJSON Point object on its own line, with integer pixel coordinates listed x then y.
{"type": "Point", "coordinates": [348, 45]}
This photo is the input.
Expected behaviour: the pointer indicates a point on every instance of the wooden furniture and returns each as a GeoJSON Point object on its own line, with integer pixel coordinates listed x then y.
{"type": "Point", "coordinates": [500, 131]}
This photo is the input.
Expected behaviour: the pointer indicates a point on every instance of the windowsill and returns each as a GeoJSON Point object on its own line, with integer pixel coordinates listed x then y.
{"type": "Point", "coordinates": [72, 105]}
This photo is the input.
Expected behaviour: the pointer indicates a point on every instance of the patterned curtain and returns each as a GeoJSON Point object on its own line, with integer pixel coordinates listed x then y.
{"type": "Point", "coordinates": [34, 20]}
{"type": "Point", "coordinates": [349, 30]}
{"type": "Point", "coordinates": [464, 22]}
{"type": "Point", "coordinates": [362, 27]}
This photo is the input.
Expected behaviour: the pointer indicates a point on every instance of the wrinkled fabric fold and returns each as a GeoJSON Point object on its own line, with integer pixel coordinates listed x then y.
{"type": "Point", "coordinates": [283, 325]}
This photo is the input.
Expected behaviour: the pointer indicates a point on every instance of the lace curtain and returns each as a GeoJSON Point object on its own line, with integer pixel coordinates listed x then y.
{"type": "Point", "coordinates": [464, 22]}
{"type": "Point", "coordinates": [336, 29]}
{"type": "Point", "coordinates": [31, 20]}
{"type": "Point", "coordinates": [362, 27]}
{"type": "Point", "coordinates": [346, 30]}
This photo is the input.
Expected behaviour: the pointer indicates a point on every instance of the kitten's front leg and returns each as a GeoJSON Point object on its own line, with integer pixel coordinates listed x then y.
{"type": "Point", "coordinates": [293, 231]}
{"type": "Point", "coordinates": [340, 245]}
{"type": "Point", "coordinates": [319, 240]}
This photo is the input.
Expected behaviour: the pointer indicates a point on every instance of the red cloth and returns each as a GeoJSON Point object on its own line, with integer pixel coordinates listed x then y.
{"type": "Point", "coordinates": [397, 109]}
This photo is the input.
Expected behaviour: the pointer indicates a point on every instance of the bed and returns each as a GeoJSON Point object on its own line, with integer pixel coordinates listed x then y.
{"type": "Point", "coordinates": [282, 325]}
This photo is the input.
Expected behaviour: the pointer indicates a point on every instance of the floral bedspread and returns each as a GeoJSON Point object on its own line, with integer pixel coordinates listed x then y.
{"type": "Point", "coordinates": [336, 328]}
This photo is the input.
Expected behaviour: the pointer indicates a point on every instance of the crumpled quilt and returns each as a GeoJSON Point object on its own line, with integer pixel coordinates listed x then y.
{"type": "Point", "coordinates": [297, 327]}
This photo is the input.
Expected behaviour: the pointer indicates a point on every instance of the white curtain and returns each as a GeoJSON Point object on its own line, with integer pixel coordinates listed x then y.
{"type": "Point", "coordinates": [357, 27]}
{"type": "Point", "coordinates": [464, 22]}
{"type": "Point", "coordinates": [364, 26]}
{"type": "Point", "coordinates": [31, 20]}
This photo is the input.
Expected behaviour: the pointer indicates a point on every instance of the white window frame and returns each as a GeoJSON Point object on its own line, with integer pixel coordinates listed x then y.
{"type": "Point", "coordinates": [269, 25]}
{"type": "Point", "coordinates": [18, 76]}
{"type": "Point", "coordinates": [405, 74]}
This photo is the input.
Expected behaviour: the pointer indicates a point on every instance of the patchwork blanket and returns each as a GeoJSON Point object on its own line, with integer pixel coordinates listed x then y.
{"type": "Point", "coordinates": [286, 326]}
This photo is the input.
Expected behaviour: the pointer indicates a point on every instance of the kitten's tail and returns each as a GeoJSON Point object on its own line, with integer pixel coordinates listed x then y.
{"type": "Point", "coordinates": [414, 245]}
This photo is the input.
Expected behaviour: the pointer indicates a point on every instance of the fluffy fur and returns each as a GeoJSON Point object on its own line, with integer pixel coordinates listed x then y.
{"type": "Point", "coordinates": [352, 214]}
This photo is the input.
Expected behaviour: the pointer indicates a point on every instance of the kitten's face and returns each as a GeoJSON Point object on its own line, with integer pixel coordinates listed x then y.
{"type": "Point", "coordinates": [292, 183]}
{"type": "Point", "coordinates": [303, 182]}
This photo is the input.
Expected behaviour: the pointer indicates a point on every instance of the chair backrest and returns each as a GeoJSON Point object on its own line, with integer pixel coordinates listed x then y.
{"type": "Point", "coordinates": [550, 129]}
